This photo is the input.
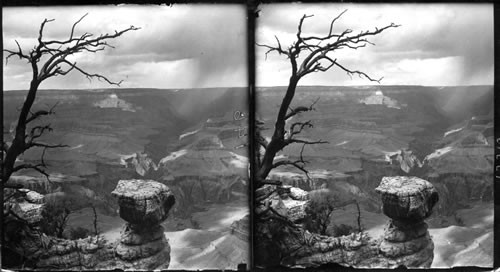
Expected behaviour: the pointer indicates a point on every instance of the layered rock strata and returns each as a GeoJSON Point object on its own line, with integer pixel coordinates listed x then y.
{"type": "Point", "coordinates": [29, 206]}
{"type": "Point", "coordinates": [144, 204]}
{"type": "Point", "coordinates": [287, 201]}
{"type": "Point", "coordinates": [241, 228]}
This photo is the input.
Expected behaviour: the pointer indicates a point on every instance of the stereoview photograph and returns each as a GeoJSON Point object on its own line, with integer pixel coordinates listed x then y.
{"type": "Point", "coordinates": [374, 135]}
{"type": "Point", "coordinates": [125, 138]}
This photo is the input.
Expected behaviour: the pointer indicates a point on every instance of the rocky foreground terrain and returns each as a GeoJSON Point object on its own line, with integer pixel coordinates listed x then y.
{"type": "Point", "coordinates": [405, 241]}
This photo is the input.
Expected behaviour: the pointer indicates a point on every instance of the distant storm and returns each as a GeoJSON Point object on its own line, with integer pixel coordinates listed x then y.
{"type": "Point", "coordinates": [179, 46]}
{"type": "Point", "coordinates": [436, 44]}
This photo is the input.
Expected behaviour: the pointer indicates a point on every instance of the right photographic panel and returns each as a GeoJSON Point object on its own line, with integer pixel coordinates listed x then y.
{"type": "Point", "coordinates": [374, 135]}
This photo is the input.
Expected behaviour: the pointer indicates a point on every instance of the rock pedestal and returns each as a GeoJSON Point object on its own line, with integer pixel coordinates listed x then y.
{"type": "Point", "coordinates": [144, 204]}
{"type": "Point", "coordinates": [408, 201]}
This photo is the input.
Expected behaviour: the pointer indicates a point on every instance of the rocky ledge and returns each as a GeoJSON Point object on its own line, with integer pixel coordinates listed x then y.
{"type": "Point", "coordinates": [144, 204]}
{"type": "Point", "coordinates": [407, 201]}
{"type": "Point", "coordinates": [28, 205]}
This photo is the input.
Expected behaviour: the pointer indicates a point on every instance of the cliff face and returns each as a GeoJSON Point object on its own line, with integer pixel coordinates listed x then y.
{"type": "Point", "coordinates": [204, 172]}
{"type": "Point", "coordinates": [405, 241]}
{"type": "Point", "coordinates": [458, 190]}
{"type": "Point", "coordinates": [317, 180]}
{"type": "Point", "coordinates": [241, 228]}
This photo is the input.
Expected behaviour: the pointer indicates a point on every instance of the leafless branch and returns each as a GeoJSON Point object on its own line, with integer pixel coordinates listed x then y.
{"type": "Point", "coordinates": [74, 25]}
{"type": "Point", "coordinates": [273, 48]}
{"type": "Point", "coordinates": [301, 126]}
{"type": "Point", "coordinates": [299, 164]}
{"type": "Point", "coordinates": [16, 53]}
{"type": "Point", "coordinates": [38, 167]}
{"type": "Point", "coordinates": [90, 76]}
{"type": "Point", "coordinates": [359, 73]}
{"type": "Point", "coordinates": [330, 33]}
{"type": "Point", "coordinates": [41, 113]}
{"type": "Point", "coordinates": [301, 141]}
{"type": "Point", "coordinates": [300, 109]}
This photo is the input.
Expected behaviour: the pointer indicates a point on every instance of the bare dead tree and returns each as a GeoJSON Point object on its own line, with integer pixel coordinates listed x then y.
{"type": "Point", "coordinates": [48, 58]}
{"type": "Point", "coordinates": [55, 217]}
{"type": "Point", "coordinates": [320, 208]}
{"type": "Point", "coordinates": [317, 51]}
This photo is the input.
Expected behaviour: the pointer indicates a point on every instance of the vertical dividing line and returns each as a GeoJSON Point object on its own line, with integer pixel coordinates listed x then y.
{"type": "Point", "coordinates": [2, 242]}
{"type": "Point", "coordinates": [496, 180]}
{"type": "Point", "coordinates": [251, 16]}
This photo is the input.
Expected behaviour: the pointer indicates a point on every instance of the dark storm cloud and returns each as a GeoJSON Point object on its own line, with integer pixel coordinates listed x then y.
{"type": "Point", "coordinates": [214, 38]}
{"type": "Point", "coordinates": [183, 46]}
{"type": "Point", "coordinates": [437, 44]}
{"type": "Point", "coordinates": [464, 30]}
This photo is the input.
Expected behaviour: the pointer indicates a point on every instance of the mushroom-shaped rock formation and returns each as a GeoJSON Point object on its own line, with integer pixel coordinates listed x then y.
{"type": "Point", "coordinates": [144, 204]}
{"type": "Point", "coordinates": [407, 201]}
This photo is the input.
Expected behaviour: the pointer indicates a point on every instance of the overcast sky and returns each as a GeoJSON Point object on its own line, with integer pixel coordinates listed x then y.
{"type": "Point", "coordinates": [182, 46]}
{"type": "Point", "coordinates": [438, 44]}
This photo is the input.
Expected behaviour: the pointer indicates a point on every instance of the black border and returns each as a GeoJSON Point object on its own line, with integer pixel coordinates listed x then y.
{"type": "Point", "coordinates": [252, 14]}
{"type": "Point", "coordinates": [496, 184]}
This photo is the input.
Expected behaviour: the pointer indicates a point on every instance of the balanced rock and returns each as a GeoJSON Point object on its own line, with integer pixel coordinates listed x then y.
{"type": "Point", "coordinates": [406, 240]}
{"type": "Point", "coordinates": [407, 199]}
{"type": "Point", "coordinates": [143, 202]}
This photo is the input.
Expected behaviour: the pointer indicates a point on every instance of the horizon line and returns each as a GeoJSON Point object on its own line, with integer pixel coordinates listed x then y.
{"type": "Point", "coordinates": [272, 86]}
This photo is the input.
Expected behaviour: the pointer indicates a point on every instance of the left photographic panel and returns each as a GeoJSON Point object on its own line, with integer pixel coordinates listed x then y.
{"type": "Point", "coordinates": [125, 137]}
